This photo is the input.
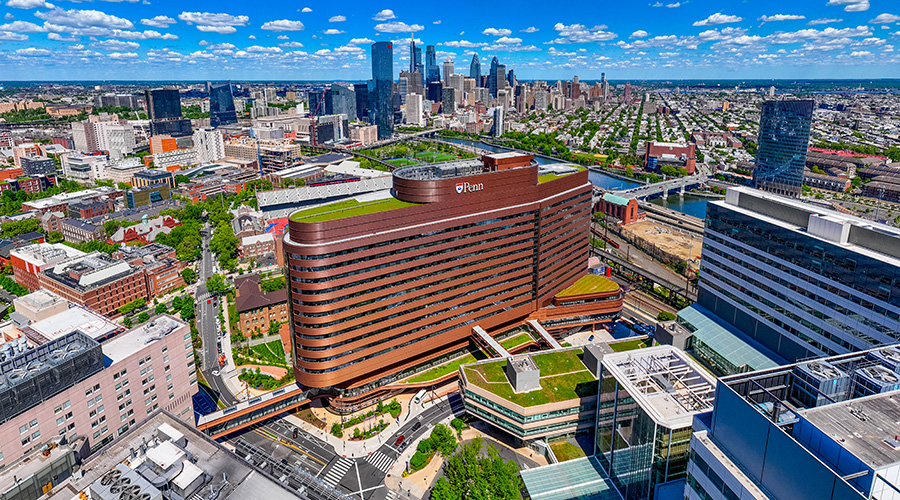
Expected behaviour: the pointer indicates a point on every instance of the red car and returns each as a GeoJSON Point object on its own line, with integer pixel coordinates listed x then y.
{"type": "Point", "coordinates": [399, 440]}
{"type": "Point", "coordinates": [208, 301]}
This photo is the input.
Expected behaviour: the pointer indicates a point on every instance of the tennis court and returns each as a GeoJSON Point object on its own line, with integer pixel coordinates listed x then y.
{"type": "Point", "coordinates": [433, 157]}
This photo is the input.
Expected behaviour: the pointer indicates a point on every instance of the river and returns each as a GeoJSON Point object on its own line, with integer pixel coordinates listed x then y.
{"type": "Point", "coordinates": [690, 205]}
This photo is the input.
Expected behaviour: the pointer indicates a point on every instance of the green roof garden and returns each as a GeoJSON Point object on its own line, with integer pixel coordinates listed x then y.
{"type": "Point", "coordinates": [348, 208]}
{"type": "Point", "coordinates": [589, 284]}
{"type": "Point", "coordinates": [547, 177]}
{"type": "Point", "coordinates": [563, 377]}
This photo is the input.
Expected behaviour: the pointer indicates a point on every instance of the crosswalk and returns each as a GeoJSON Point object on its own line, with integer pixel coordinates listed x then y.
{"type": "Point", "coordinates": [337, 471]}
{"type": "Point", "coordinates": [391, 495]}
{"type": "Point", "coordinates": [381, 461]}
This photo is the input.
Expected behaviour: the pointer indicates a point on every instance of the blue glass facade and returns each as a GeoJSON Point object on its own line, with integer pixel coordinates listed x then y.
{"type": "Point", "coordinates": [783, 140]}
{"type": "Point", "coordinates": [163, 103]}
{"type": "Point", "coordinates": [382, 80]}
{"type": "Point", "coordinates": [433, 72]}
{"type": "Point", "coordinates": [492, 77]}
{"type": "Point", "coordinates": [221, 104]}
{"type": "Point", "coordinates": [340, 100]}
{"type": "Point", "coordinates": [796, 294]}
{"type": "Point", "coordinates": [475, 70]}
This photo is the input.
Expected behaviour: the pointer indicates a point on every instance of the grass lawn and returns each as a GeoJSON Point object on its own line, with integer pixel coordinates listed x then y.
{"type": "Point", "coordinates": [432, 157]}
{"type": "Point", "coordinates": [563, 377]}
{"type": "Point", "coordinates": [547, 177]}
{"type": "Point", "coordinates": [515, 341]}
{"type": "Point", "coordinates": [273, 352]}
{"type": "Point", "coordinates": [591, 283]}
{"type": "Point", "coordinates": [629, 345]}
{"type": "Point", "coordinates": [401, 162]}
{"type": "Point", "coordinates": [447, 368]}
{"type": "Point", "coordinates": [565, 450]}
{"type": "Point", "coordinates": [348, 208]}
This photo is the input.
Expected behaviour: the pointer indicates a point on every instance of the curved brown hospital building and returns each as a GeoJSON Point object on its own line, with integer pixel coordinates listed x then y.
{"type": "Point", "coordinates": [382, 284]}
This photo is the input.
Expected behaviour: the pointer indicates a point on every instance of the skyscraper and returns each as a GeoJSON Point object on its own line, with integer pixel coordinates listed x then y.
{"type": "Point", "coordinates": [434, 92]}
{"type": "Point", "coordinates": [781, 150]}
{"type": "Point", "coordinates": [492, 76]}
{"type": "Point", "coordinates": [475, 68]}
{"type": "Point", "coordinates": [432, 71]}
{"type": "Point", "coordinates": [221, 104]}
{"type": "Point", "coordinates": [164, 109]}
{"type": "Point", "coordinates": [448, 70]}
{"type": "Point", "coordinates": [627, 91]}
{"type": "Point", "coordinates": [497, 127]}
{"type": "Point", "coordinates": [382, 112]}
{"type": "Point", "coordinates": [361, 90]}
{"type": "Point", "coordinates": [448, 100]}
{"type": "Point", "coordinates": [511, 78]}
{"type": "Point", "coordinates": [340, 100]}
{"type": "Point", "coordinates": [415, 57]}
{"type": "Point", "coordinates": [604, 86]}
{"type": "Point", "coordinates": [317, 105]}
{"type": "Point", "coordinates": [500, 78]}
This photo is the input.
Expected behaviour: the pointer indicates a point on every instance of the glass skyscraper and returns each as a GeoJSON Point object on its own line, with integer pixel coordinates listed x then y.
{"type": "Point", "coordinates": [415, 57]}
{"type": "Point", "coordinates": [475, 70]}
{"type": "Point", "coordinates": [432, 72]}
{"type": "Point", "coordinates": [382, 79]}
{"type": "Point", "coordinates": [492, 76]}
{"type": "Point", "coordinates": [801, 280]}
{"type": "Point", "coordinates": [164, 109]}
{"type": "Point", "coordinates": [361, 92]}
{"type": "Point", "coordinates": [340, 100]}
{"type": "Point", "coordinates": [221, 104]}
{"type": "Point", "coordinates": [783, 140]}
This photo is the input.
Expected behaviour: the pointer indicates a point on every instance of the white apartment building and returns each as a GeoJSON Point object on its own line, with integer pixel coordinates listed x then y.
{"type": "Point", "coordinates": [209, 145]}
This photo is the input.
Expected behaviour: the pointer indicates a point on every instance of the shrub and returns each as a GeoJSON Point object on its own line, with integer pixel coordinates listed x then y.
{"type": "Point", "coordinates": [665, 316]}
{"type": "Point", "coordinates": [418, 461]}
{"type": "Point", "coordinates": [424, 446]}
{"type": "Point", "coordinates": [336, 430]}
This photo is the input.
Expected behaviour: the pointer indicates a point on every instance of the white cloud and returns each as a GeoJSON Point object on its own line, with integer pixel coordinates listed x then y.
{"type": "Point", "coordinates": [718, 18]}
{"type": "Point", "coordinates": [9, 36]}
{"type": "Point", "coordinates": [21, 27]}
{"type": "Point", "coordinates": [398, 27]}
{"type": "Point", "coordinates": [384, 15]}
{"type": "Point", "coordinates": [496, 32]}
{"type": "Point", "coordinates": [885, 18]}
{"type": "Point", "coordinates": [222, 30]}
{"type": "Point", "coordinates": [337, 19]}
{"type": "Point", "coordinates": [511, 48]}
{"type": "Point", "coordinates": [657, 4]}
{"type": "Point", "coordinates": [436, 22]}
{"type": "Point", "coordinates": [29, 4]}
{"type": "Point", "coordinates": [158, 21]}
{"type": "Point", "coordinates": [8, 16]}
{"type": "Point", "coordinates": [116, 45]}
{"type": "Point", "coordinates": [464, 44]}
{"type": "Point", "coordinates": [283, 25]}
{"type": "Point", "coordinates": [252, 37]}
{"type": "Point", "coordinates": [141, 35]}
{"type": "Point", "coordinates": [83, 19]}
{"type": "Point", "coordinates": [209, 22]}
{"type": "Point", "coordinates": [333, 31]}
{"type": "Point", "coordinates": [530, 29]}
{"type": "Point", "coordinates": [851, 5]}
{"type": "Point", "coordinates": [824, 20]}
{"type": "Point", "coordinates": [860, 53]}
{"type": "Point", "coordinates": [264, 50]}
{"type": "Point", "coordinates": [639, 34]}
{"type": "Point", "coordinates": [306, 10]}
{"type": "Point", "coordinates": [59, 38]}
{"type": "Point", "coordinates": [323, 52]}
{"type": "Point", "coordinates": [33, 52]}
{"type": "Point", "coordinates": [283, 37]}
{"type": "Point", "coordinates": [360, 41]}
{"type": "Point", "coordinates": [122, 55]}
{"type": "Point", "coordinates": [508, 40]}
{"type": "Point", "coordinates": [578, 33]}
{"type": "Point", "coordinates": [221, 46]}
{"type": "Point", "coordinates": [673, 5]}
{"type": "Point", "coordinates": [780, 17]}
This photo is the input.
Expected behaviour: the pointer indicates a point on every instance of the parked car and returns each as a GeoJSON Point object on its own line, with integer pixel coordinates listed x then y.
{"type": "Point", "coordinates": [399, 440]}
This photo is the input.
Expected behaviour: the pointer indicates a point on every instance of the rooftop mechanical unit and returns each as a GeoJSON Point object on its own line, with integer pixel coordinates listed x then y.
{"type": "Point", "coordinates": [123, 483]}
{"type": "Point", "coordinates": [874, 380]}
{"type": "Point", "coordinates": [819, 383]}
{"type": "Point", "coordinates": [889, 357]}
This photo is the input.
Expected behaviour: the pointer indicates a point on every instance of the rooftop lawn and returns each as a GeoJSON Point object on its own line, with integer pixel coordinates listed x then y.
{"type": "Point", "coordinates": [348, 208]}
{"type": "Point", "coordinates": [547, 177]}
{"type": "Point", "coordinates": [563, 377]}
{"type": "Point", "coordinates": [446, 368]}
{"type": "Point", "coordinates": [515, 341]}
{"type": "Point", "coordinates": [591, 283]}
{"type": "Point", "coordinates": [629, 345]}
{"type": "Point", "coordinates": [565, 450]}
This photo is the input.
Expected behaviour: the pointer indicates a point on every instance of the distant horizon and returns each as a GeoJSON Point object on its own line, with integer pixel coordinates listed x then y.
{"type": "Point", "coordinates": [583, 80]}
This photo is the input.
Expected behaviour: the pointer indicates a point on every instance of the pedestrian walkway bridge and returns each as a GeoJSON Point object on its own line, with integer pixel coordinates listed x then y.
{"type": "Point", "coordinates": [246, 413]}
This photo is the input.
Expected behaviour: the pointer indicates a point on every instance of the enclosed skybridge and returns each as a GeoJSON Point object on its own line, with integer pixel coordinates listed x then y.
{"type": "Point", "coordinates": [246, 413]}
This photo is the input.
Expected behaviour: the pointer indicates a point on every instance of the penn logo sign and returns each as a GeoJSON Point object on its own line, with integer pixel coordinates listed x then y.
{"type": "Point", "coordinates": [465, 187]}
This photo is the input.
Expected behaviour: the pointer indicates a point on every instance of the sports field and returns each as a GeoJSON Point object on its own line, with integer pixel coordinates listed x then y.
{"type": "Point", "coordinates": [401, 162]}
{"type": "Point", "coordinates": [432, 157]}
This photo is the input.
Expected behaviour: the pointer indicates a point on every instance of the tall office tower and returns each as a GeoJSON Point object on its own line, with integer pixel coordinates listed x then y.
{"type": "Point", "coordinates": [403, 86]}
{"type": "Point", "coordinates": [497, 126]}
{"type": "Point", "coordinates": [361, 91]}
{"type": "Point", "coordinates": [475, 68]}
{"type": "Point", "coordinates": [511, 78]}
{"type": "Point", "coordinates": [627, 92]}
{"type": "Point", "coordinates": [382, 82]}
{"type": "Point", "coordinates": [604, 86]}
{"type": "Point", "coordinates": [469, 90]}
{"type": "Point", "coordinates": [541, 100]}
{"type": "Point", "coordinates": [816, 430]}
{"type": "Point", "coordinates": [414, 115]}
{"type": "Point", "coordinates": [221, 104]}
{"type": "Point", "coordinates": [340, 100]}
{"type": "Point", "coordinates": [434, 92]}
{"type": "Point", "coordinates": [492, 77]}
{"type": "Point", "coordinates": [317, 105]}
{"type": "Point", "coordinates": [501, 78]}
{"type": "Point", "coordinates": [415, 57]}
{"type": "Point", "coordinates": [432, 71]}
{"type": "Point", "coordinates": [801, 280]}
{"type": "Point", "coordinates": [472, 246]}
{"type": "Point", "coordinates": [457, 82]}
{"type": "Point", "coordinates": [164, 110]}
{"type": "Point", "coordinates": [448, 70]}
{"type": "Point", "coordinates": [782, 144]}
{"type": "Point", "coordinates": [448, 100]}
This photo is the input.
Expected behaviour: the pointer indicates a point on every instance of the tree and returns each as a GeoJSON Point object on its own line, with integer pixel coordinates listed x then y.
{"type": "Point", "coordinates": [161, 308]}
{"type": "Point", "coordinates": [189, 275]}
{"type": "Point", "coordinates": [187, 310]}
{"type": "Point", "coordinates": [468, 474]}
{"type": "Point", "coordinates": [665, 316]}
{"type": "Point", "coordinates": [176, 303]}
{"type": "Point", "coordinates": [127, 322]}
{"type": "Point", "coordinates": [144, 316]}
{"type": "Point", "coordinates": [217, 285]}
{"type": "Point", "coordinates": [54, 237]}
{"type": "Point", "coordinates": [443, 440]}
{"type": "Point", "coordinates": [14, 228]}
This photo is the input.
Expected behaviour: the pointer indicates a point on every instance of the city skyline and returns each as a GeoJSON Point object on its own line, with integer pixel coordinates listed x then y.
{"type": "Point", "coordinates": [823, 39]}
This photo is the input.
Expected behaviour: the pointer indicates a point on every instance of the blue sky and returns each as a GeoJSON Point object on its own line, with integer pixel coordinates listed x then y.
{"type": "Point", "coordinates": [300, 40]}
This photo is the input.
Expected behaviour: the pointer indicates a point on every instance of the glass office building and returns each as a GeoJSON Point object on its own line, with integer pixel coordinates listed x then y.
{"type": "Point", "coordinates": [647, 402]}
{"type": "Point", "coordinates": [221, 104]}
{"type": "Point", "coordinates": [475, 70]}
{"type": "Point", "coordinates": [340, 100]}
{"type": "Point", "coordinates": [801, 280]}
{"type": "Point", "coordinates": [781, 151]}
{"type": "Point", "coordinates": [382, 112]}
{"type": "Point", "coordinates": [432, 71]}
{"type": "Point", "coordinates": [164, 110]}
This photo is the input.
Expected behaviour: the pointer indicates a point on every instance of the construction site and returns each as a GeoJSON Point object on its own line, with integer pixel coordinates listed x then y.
{"type": "Point", "coordinates": [665, 242]}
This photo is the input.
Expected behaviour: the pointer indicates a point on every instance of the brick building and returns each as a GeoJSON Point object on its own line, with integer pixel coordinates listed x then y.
{"type": "Point", "coordinates": [89, 209]}
{"type": "Point", "coordinates": [257, 246]}
{"type": "Point", "coordinates": [97, 281]}
{"type": "Point", "coordinates": [625, 210]}
{"type": "Point", "coordinates": [77, 231]}
{"type": "Point", "coordinates": [660, 154]}
{"type": "Point", "coordinates": [257, 309]}
{"type": "Point", "coordinates": [29, 261]}
{"type": "Point", "coordinates": [162, 268]}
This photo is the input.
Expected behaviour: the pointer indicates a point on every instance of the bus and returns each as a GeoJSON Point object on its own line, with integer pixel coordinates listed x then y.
{"type": "Point", "coordinates": [419, 396]}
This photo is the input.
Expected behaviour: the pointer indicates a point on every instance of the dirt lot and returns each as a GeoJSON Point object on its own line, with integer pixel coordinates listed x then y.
{"type": "Point", "coordinates": [666, 242]}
